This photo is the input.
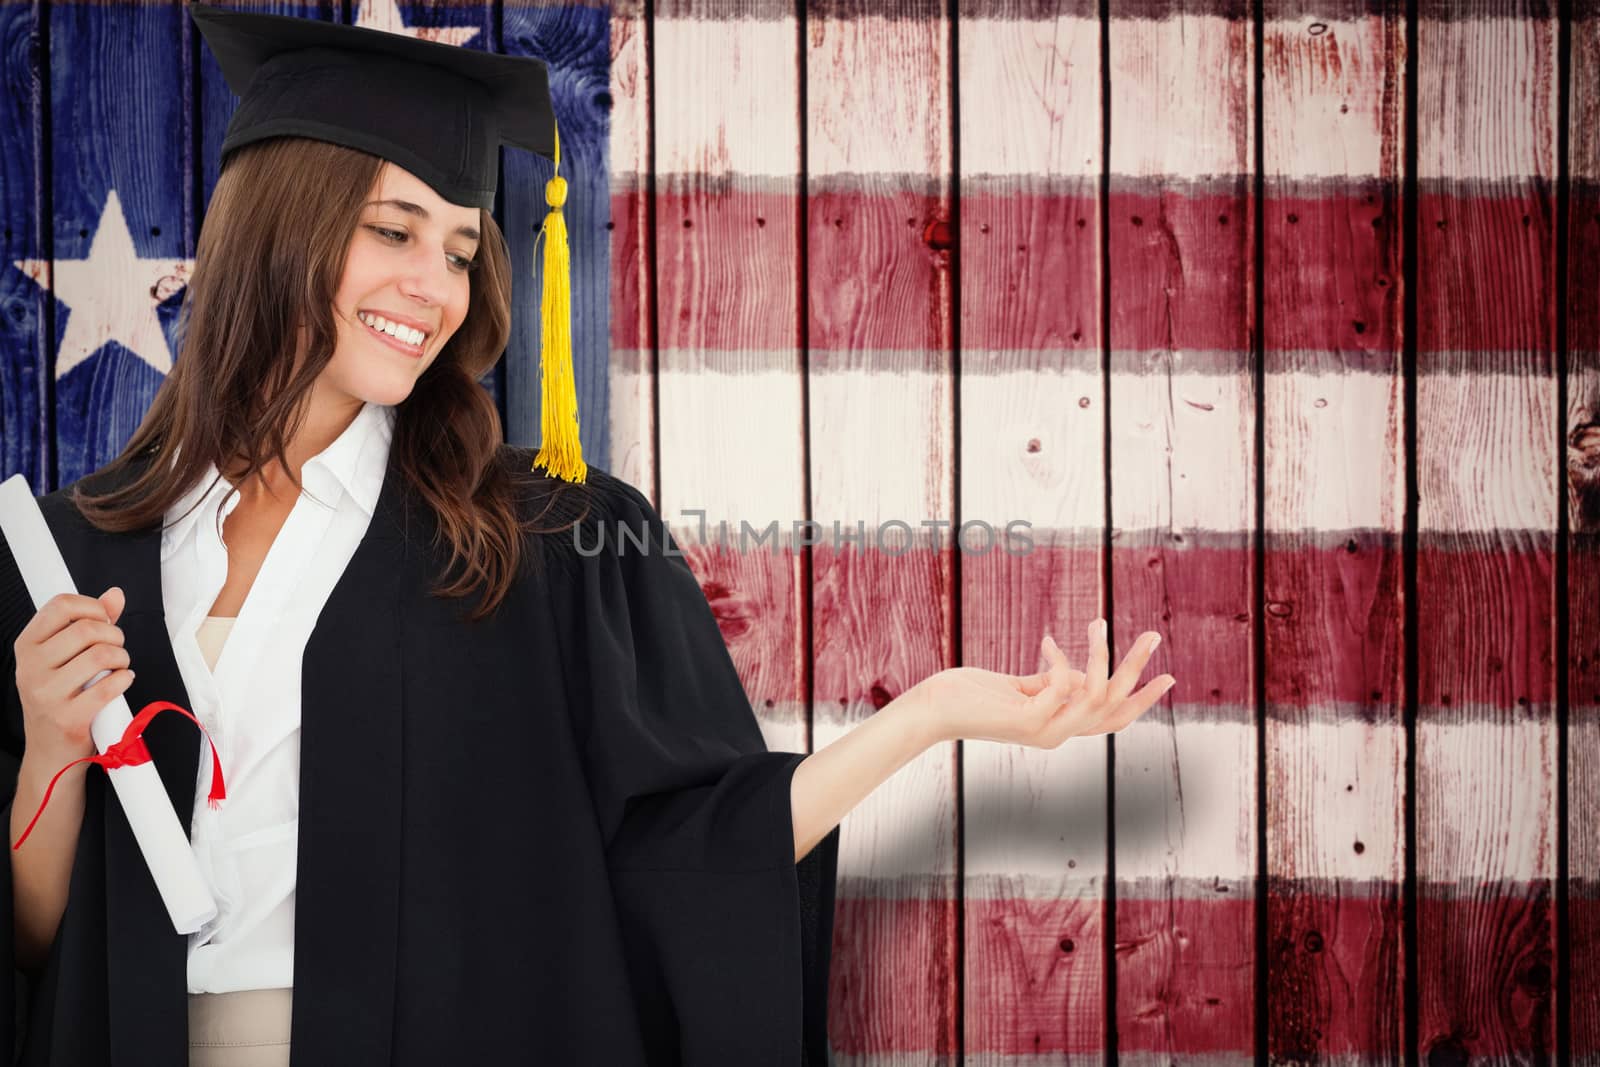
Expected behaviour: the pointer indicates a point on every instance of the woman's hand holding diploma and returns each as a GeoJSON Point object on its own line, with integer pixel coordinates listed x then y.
{"type": "Point", "coordinates": [71, 641]}
{"type": "Point", "coordinates": [1037, 710]}
{"type": "Point", "coordinates": [70, 664]}
{"type": "Point", "coordinates": [64, 656]}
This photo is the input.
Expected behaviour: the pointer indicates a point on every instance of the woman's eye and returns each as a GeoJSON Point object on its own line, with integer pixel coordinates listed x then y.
{"type": "Point", "coordinates": [461, 264]}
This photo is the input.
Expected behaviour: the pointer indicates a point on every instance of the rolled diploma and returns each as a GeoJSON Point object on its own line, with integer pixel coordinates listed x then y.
{"type": "Point", "coordinates": [144, 800]}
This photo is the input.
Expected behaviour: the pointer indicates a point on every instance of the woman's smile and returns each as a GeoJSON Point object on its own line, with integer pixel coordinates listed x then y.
{"type": "Point", "coordinates": [388, 339]}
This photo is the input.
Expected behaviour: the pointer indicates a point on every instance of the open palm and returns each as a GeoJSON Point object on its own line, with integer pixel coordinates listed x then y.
{"type": "Point", "coordinates": [1043, 710]}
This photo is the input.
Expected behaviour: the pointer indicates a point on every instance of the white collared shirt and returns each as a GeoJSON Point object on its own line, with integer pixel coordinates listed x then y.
{"type": "Point", "coordinates": [250, 704]}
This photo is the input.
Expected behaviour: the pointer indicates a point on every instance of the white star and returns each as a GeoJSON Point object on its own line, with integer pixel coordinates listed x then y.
{"type": "Point", "coordinates": [385, 15]}
{"type": "Point", "coordinates": [112, 295]}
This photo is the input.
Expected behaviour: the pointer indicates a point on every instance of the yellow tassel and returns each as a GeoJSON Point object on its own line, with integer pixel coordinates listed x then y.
{"type": "Point", "coordinates": [559, 452]}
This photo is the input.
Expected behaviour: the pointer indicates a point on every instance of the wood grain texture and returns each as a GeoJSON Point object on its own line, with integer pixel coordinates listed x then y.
{"type": "Point", "coordinates": [25, 334]}
{"type": "Point", "coordinates": [1032, 425]}
{"type": "Point", "coordinates": [881, 433]}
{"type": "Point", "coordinates": [1485, 738]}
{"type": "Point", "coordinates": [1333, 148]}
{"type": "Point", "coordinates": [1182, 241]}
{"type": "Point", "coordinates": [117, 146]}
{"type": "Point", "coordinates": [727, 238]}
{"type": "Point", "coordinates": [576, 43]}
{"type": "Point", "coordinates": [632, 423]}
{"type": "Point", "coordinates": [1581, 432]}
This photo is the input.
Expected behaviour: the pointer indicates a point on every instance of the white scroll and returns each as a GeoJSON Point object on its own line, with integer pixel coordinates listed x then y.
{"type": "Point", "coordinates": [144, 800]}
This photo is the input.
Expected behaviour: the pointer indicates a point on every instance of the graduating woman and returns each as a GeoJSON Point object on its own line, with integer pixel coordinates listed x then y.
{"type": "Point", "coordinates": [495, 793]}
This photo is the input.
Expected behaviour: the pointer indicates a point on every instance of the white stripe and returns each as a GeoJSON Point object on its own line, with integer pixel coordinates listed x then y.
{"type": "Point", "coordinates": [1030, 99]}
{"type": "Point", "coordinates": [1324, 100]}
{"type": "Point", "coordinates": [1487, 442]}
{"type": "Point", "coordinates": [731, 446]}
{"type": "Point", "coordinates": [1583, 784]}
{"type": "Point", "coordinates": [1486, 805]}
{"type": "Point", "coordinates": [878, 96]}
{"type": "Point", "coordinates": [630, 100]}
{"type": "Point", "coordinates": [1031, 449]}
{"type": "Point", "coordinates": [631, 427]}
{"type": "Point", "coordinates": [1334, 788]}
{"type": "Point", "coordinates": [1494, 115]}
{"type": "Point", "coordinates": [783, 728]}
{"type": "Point", "coordinates": [881, 449]}
{"type": "Point", "coordinates": [1182, 451]}
{"type": "Point", "coordinates": [1585, 159]}
{"type": "Point", "coordinates": [1335, 443]}
{"type": "Point", "coordinates": [733, 88]}
{"type": "Point", "coordinates": [1186, 799]}
{"type": "Point", "coordinates": [1035, 818]}
{"type": "Point", "coordinates": [1162, 123]}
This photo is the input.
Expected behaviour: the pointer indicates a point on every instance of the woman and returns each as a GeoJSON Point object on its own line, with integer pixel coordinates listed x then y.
{"type": "Point", "coordinates": [523, 814]}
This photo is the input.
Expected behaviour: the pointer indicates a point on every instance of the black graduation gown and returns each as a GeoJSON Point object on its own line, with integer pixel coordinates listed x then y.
{"type": "Point", "coordinates": [554, 836]}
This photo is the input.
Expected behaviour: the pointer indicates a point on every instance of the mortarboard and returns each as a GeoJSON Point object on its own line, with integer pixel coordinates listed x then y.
{"type": "Point", "coordinates": [437, 110]}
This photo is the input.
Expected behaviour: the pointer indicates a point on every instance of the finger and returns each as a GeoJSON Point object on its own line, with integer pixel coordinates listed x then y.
{"type": "Point", "coordinates": [58, 612]}
{"type": "Point", "coordinates": [1099, 655]}
{"type": "Point", "coordinates": [1076, 708]}
{"type": "Point", "coordinates": [105, 687]}
{"type": "Point", "coordinates": [1060, 667]}
{"type": "Point", "coordinates": [1131, 667]}
{"type": "Point", "coordinates": [1045, 704]}
{"type": "Point", "coordinates": [77, 636]}
{"type": "Point", "coordinates": [1074, 718]}
{"type": "Point", "coordinates": [1135, 706]}
{"type": "Point", "coordinates": [114, 600]}
{"type": "Point", "coordinates": [1030, 684]}
{"type": "Point", "coordinates": [88, 667]}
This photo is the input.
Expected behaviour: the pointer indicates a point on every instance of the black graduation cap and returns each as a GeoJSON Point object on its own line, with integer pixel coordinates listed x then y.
{"type": "Point", "coordinates": [437, 110]}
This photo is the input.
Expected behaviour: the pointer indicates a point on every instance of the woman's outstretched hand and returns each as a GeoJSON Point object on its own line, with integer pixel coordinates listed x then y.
{"type": "Point", "coordinates": [1040, 710]}
{"type": "Point", "coordinates": [1043, 710]}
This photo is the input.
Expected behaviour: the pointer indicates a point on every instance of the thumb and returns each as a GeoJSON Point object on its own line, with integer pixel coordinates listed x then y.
{"type": "Point", "coordinates": [114, 601]}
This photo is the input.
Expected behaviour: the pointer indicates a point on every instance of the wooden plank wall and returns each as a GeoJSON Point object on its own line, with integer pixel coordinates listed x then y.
{"type": "Point", "coordinates": [1581, 485]}
{"type": "Point", "coordinates": [1269, 325]}
{"type": "Point", "coordinates": [881, 436]}
{"type": "Point", "coordinates": [1333, 516]}
{"type": "Point", "coordinates": [1486, 452]}
{"type": "Point", "coordinates": [1032, 416]}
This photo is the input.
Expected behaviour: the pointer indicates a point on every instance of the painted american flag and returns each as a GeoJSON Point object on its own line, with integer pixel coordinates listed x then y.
{"type": "Point", "coordinates": [1277, 323]}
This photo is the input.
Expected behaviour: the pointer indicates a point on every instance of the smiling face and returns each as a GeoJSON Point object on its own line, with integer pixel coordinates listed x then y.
{"type": "Point", "coordinates": [406, 274]}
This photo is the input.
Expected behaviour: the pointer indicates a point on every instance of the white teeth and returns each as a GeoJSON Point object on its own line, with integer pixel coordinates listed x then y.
{"type": "Point", "coordinates": [393, 329]}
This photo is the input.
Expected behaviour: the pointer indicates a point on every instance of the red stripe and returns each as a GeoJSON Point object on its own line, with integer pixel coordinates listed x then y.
{"type": "Point", "coordinates": [1181, 261]}
{"type": "Point", "coordinates": [1030, 275]}
{"type": "Point", "coordinates": [1333, 269]}
{"type": "Point", "coordinates": [1034, 981]}
{"type": "Point", "coordinates": [1487, 625]}
{"type": "Point", "coordinates": [1584, 931]}
{"type": "Point", "coordinates": [892, 985]}
{"type": "Point", "coordinates": [1486, 970]}
{"type": "Point", "coordinates": [880, 261]}
{"type": "Point", "coordinates": [1035, 976]}
{"type": "Point", "coordinates": [1345, 596]}
{"type": "Point", "coordinates": [1486, 270]}
{"type": "Point", "coordinates": [728, 270]}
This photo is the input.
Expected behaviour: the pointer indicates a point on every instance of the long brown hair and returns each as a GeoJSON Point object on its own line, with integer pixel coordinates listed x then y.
{"type": "Point", "coordinates": [270, 257]}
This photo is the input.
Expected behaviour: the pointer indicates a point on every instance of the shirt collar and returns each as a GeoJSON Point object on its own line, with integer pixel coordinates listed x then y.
{"type": "Point", "coordinates": [354, 463]}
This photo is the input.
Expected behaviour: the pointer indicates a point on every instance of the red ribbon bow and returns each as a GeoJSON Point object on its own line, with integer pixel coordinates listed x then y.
{"type": "Point", "coordinates": [130, 752]}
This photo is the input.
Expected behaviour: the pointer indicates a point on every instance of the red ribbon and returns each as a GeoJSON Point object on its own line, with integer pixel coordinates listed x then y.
{"type": "Point", "coordinates": [130, 752]}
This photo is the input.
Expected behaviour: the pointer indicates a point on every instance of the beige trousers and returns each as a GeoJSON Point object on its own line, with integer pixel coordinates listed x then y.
{"type": "Point", "coordinates": [249, 1028]}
